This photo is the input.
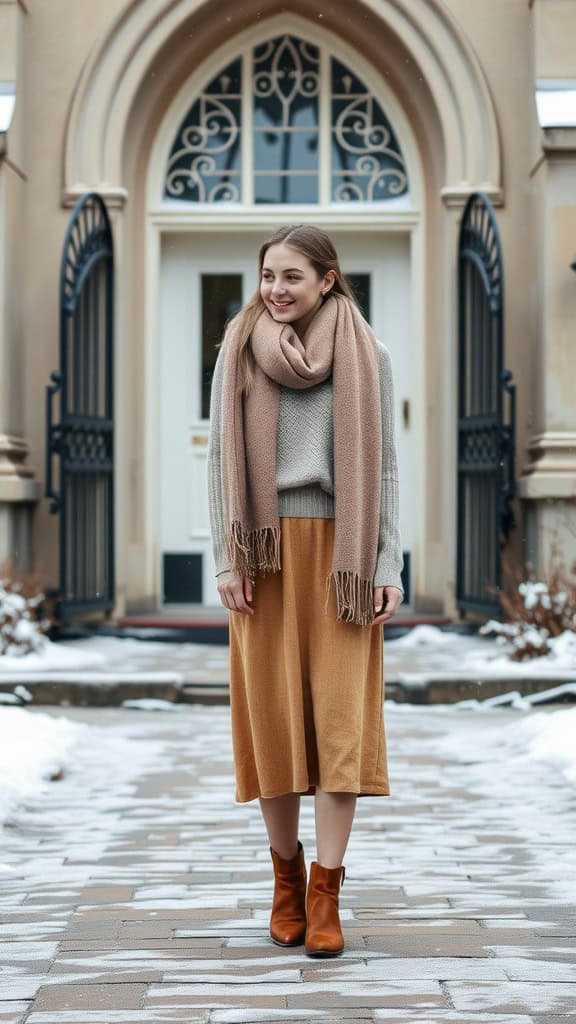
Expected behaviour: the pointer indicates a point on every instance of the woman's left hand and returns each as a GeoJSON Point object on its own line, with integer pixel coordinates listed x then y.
{"type": "Point", "coordinates": [386, 603]}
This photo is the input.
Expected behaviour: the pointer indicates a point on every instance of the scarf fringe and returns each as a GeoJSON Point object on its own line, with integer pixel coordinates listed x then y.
{"type": "Point", "coordinates": [354, 597]}
{"type": "Point", "coordinates": [253, 552]}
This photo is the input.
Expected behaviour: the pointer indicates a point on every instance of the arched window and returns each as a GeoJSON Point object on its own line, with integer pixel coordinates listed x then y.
{"type": "Point", "coordinates": [285, 122]}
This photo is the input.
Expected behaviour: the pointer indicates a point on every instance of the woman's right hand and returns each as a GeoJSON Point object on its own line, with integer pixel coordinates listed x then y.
{"type": "Point", "coordinates": [235, 592]}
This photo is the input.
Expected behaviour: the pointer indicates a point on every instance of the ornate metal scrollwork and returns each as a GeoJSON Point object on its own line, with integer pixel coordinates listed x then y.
{"type": "Point", "coordinates": [289, 135]}
{"type": "Point", "coordinates": [205, 156]}
{"type": "Point", "coordinates": [367, 162]}
{"type": "Point", "coordinates": [486, 431]}
{"type": "Point", "coordinates": [286, 69]}
{"type": "Point", "coordinates": [285, 91]}
{"type": "Point", "coordinates": [80, 436]}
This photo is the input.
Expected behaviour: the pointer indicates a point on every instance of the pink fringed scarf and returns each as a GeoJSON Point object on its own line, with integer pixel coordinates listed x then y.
{"type": "Point", "coordinates": [338, 341]}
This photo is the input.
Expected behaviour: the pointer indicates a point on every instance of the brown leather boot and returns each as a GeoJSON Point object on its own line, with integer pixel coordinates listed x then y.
{"type": "Point", "coordinates": [323, 933]}
{"type": "Point", "coordinates": [288, 919]}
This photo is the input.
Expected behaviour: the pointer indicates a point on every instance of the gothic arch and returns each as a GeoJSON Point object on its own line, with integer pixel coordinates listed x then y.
{"type": "Point", "coordinates": [439, 59]}
{"type": "Point", "coordinates": [404, 159]}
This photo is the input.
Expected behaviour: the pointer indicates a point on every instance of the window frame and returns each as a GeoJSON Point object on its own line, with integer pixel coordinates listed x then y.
{"type": "Point", "coordinates": [325, 132]}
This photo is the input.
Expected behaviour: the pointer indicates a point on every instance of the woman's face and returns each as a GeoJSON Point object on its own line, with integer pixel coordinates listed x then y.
{"type": "Point", "coordinates": [290, 285]}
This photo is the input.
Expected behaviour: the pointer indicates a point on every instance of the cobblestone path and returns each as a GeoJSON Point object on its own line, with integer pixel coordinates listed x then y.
{"type": "Point", "coordinates": [136, 890]}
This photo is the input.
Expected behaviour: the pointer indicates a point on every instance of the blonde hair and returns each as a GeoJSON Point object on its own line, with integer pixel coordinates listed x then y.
{"type": "Point", "coordinates": [318, 247]}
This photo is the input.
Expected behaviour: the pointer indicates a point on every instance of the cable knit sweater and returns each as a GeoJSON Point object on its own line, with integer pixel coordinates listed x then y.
{"type": "Point", "coordinates": [305, 465]}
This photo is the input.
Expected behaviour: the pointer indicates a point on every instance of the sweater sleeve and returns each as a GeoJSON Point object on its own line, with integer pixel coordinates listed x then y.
{"type": "Point", "coordinates": [215, 502]}
{"type": "Point", "coordinates": [390, 561]}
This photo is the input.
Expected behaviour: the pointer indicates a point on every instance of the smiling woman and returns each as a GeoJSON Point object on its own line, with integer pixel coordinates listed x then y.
{"type": "Point", "coordinates": [291, 287]}
{"type": "Point", "coordinates": [304, 517]}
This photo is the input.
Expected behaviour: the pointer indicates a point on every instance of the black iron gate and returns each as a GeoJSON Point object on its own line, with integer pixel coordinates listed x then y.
{"type": "Point", "coordinates": [83, 439]}
{"type": "Point", "coordinates": [486, 478]}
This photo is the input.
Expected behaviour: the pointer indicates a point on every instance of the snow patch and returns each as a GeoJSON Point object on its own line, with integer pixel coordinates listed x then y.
{"type": "Point", "coordinates": [150, 704]}
{"type": "Point", "coordinates": [418, 636]}
{"type": "Point", "coordinates": [550, 737]}
{"type": "Point", "coordinates": [491, 655]}
{"type": "Point", "coordinates": [33, 748]}
{"type": "Point", "coordinates": [52, 657]}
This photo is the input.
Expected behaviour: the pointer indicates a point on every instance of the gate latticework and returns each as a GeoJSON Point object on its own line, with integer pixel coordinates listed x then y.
{"type": "Point", "coordinates": [486, 437]}
{"type": "Point", "coordinates": [82, 442]}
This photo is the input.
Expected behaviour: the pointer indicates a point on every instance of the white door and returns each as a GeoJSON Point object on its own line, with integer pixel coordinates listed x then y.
{"type": "Point", "coordinates": [204, 279]}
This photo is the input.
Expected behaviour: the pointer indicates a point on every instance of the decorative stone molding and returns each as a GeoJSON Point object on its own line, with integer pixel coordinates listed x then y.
{"type": "Point", "coordinates": [13, 452]}
{"type": "Point", "coordinates": [551, 470]}
{"type": "Point", "coordinates": [559, 142]}
{"type": "Point", "coordinates": [115, 198]}
{"type": "Point", "coordinates": [16, 479]}
{"type": "Point", "coordinates": [456, 198]}
{"type": "Point", "coordinates": [108, 87]}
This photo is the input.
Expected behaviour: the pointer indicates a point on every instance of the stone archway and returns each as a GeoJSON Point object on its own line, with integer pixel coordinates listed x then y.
{"type": "Point", "coordinates": [129, 57]}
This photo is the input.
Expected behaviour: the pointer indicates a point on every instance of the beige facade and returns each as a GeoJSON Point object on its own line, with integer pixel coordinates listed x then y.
{"type": "Point", "coordinates": [97, 92]}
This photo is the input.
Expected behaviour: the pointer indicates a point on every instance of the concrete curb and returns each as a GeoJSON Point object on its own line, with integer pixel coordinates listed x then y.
{"type": "Point", "coordinates": [99, 689]}
{"type": "Point", "coordinates": [92, 689]}
{"type": "Point", "coordinates": [452, 687]}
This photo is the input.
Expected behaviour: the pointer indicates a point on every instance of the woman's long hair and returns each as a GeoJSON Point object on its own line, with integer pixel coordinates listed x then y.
{"type": "Point", "coordinates": [318, 247]}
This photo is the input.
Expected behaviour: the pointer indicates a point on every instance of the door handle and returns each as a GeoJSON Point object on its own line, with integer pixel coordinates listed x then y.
{"type": "Point", "coordinates": [406, 411]}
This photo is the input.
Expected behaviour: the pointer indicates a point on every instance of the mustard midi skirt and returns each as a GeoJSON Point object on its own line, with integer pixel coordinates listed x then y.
{"type": "Point", "coordinates": [306, 689]}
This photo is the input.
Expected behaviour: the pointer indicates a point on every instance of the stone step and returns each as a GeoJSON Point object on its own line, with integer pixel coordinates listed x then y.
{"type": "Point", "coordinates": [100, 689]}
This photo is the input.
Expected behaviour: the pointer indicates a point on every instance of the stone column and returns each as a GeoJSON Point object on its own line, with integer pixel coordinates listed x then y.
{"type": "Point", "coordinates": [548, 482]}
{"type": "Point", "coordinates": [18, 488]}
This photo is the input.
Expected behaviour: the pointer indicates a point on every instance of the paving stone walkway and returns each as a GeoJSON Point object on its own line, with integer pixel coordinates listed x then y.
{"type": "Point", "coordinates": [136, 890]}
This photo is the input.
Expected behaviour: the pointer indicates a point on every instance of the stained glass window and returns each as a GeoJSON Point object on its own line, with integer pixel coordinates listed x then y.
{"type": "Point", "coordinates": [287, 138]}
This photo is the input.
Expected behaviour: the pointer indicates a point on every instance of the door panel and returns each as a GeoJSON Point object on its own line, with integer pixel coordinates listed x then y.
{"type": "Point", "coordinates": [221, 297]}
{"type": "Point", "coordinates": [204, 281]}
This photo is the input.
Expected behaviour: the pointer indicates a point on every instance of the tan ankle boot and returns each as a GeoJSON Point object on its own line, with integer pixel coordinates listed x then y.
{"type": "Point", "coordinates": [323, 933]}
{"type": "Point", "coordinates": [288, 919]}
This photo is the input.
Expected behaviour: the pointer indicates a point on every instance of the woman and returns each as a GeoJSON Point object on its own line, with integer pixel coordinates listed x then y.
{"type": "Point", "coordinates": [303, 501]}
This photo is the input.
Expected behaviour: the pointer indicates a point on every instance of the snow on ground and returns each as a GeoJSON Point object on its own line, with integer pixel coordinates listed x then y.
{"type": "Point", "coordinates": [33, 748]}
{"type": "Point", "coordinates": [121, 658]}
{"type": "Point", "coordinates": [53, 657]}
{"type": "Point", "coordinates": [423, 636]}
{"type": "Point", "coordinates": [33, 745]}
{"type": "Point", "coordinates": [428, 650]}
{"type": "Point", "coordinates": [549, 737]}
{"type": "Point", "coordinates": [546, 735]}
{"type": "Point", "coordinates": [562, 657]}
{"type": "Point", "coordinates": [151, 704]}
{"type": "Point", "coordinates": [422, 651]}
{"type": "Point", "coordinates": [453, 652]}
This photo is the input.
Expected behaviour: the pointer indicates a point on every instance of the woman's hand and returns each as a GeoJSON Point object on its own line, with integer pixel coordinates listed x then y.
{"type": "Point", "coordinates": [386, 603]}
{"type": "Point", "coordinates": [235, 592]}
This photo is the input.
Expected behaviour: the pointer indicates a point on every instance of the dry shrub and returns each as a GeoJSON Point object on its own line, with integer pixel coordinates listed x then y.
{"type": "Point", "coordinates": [25, 612]}
{"type": "Point", "coordinates": [537, 612]}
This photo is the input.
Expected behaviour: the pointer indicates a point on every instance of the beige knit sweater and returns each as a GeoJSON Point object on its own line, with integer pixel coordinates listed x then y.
{"type": "Point", "coordinates": [305, 465]}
